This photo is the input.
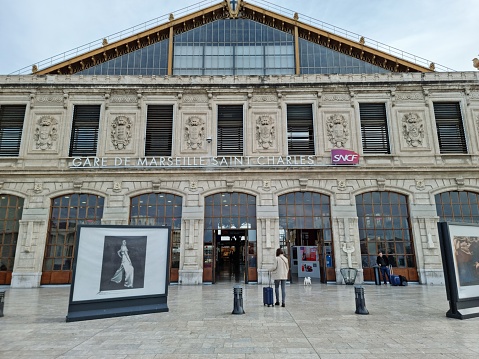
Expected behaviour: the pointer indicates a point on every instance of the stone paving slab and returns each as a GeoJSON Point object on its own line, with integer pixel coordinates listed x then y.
{"type": "Point", "coordinates": [319, 321]}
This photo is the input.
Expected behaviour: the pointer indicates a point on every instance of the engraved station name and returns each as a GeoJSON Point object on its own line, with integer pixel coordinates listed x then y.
{"type": "Point", "coordinates": [227, 161]}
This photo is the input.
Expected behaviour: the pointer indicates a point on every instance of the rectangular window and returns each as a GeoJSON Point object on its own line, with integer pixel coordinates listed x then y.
{"type": "Point", "coordinates": [84, 138]}
{"type": "Point", "coordinates": [300, 130]}
{"type": "Point", "coordinates": [450, 130]}
{"type": "Point", "coordinates": [11, 125]}
{"type": "Point", "coordinates": [159, 130]}
{"type": "Point", "coordinates": [230, 130]}
{"type": "Point", "coordinates": [374, 128]}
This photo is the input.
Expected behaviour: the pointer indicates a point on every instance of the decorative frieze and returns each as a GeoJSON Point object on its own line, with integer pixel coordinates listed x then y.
{"type": "Point", "coordinates": [194, 132]}
{"type": "Point", "coordinates": [337, 128]}
{"type": "Point", "coordinates": [46, 132]}
{"type": "Point", "coordinates": [413, 129]}
{"type": "Point", "coordinates": [121, 132]}
{"type": "Point", "coordinates": [409, 96]}
{"type": "Point", "coordinates": [265, 131]}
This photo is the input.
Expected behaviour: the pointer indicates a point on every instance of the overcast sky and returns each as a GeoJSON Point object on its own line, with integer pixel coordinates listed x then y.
{"type": "Point", "coordinates": [442, 31]}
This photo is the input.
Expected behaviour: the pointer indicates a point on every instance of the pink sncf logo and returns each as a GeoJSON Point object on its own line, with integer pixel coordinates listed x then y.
{"type": "Point", "coordinates": [344, 157]}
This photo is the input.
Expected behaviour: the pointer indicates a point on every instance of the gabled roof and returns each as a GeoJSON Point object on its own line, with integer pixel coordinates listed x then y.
{"type": "Point", "coordinates": [360, 49]}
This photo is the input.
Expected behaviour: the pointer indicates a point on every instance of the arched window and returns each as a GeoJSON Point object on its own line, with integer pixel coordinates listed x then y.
{"type": "Point", "coordinates": [455, 206]}
{"type": "Point", "coordinates": [66, 213]}
{"type": "Point", "coordinates": [384, 224]}
{"type": "Point", "coordinates": [160, 209]}
{"type": "Point", "coordinates": [11, 208]}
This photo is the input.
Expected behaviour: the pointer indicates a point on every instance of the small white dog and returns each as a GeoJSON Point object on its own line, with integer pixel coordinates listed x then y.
{"type": "Point", "coordinates": [307, 281]}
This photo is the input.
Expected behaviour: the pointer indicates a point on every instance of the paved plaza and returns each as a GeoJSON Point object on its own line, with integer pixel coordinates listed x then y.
{"type": "Point", "coordinates": [319, 321]}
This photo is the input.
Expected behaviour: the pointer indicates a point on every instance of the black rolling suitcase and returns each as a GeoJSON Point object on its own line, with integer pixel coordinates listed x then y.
{"type": "Point", "coordinates": [268, 293]}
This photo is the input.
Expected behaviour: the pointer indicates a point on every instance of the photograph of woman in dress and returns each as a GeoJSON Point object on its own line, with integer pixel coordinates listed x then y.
{"type": "Point", "coordinates": [125, 267]}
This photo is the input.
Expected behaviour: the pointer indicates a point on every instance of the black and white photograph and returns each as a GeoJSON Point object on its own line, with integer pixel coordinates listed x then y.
{"type": "Point", "coordinates": [119, 262]}
{"type": "Point", "coordinates": [123, 264]}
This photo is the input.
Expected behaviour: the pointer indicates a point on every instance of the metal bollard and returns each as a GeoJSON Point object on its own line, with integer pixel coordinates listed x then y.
{"type": "Point", "coordinates": [2, 297]}
{"type": "Point", "coordinates": [377, 276]}
{"type": "Point", "coordinates": [360, 301]}
{"type": "Point", "coordinates": [237, 300]}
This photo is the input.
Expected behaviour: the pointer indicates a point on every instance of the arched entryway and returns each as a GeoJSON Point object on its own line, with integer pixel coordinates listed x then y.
{"type": "Point", "coordinates": [11, 208]}
{"type": "Point", "coordinates": [160, 209]}
{"type": "Point", "coordinates": [230, 247]}
{"type": "Point", "coordinates": [306, 235]}
{"type": "Point", "coordinates": [67, 212]}
{"type": "Point", "coordinates": [384, 224]}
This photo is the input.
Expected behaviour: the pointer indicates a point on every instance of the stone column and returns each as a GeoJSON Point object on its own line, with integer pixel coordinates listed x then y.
{"type": "Point", "coordinates": [191, 255]}
{"type": "Point", "coordinates": [267, 236]}
{"type": "Point", "coordinates": [426, 243]}
{"type": "Point", "coordinates": [27, 270]}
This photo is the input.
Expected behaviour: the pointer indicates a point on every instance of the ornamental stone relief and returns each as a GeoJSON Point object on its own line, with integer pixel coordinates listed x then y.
{"type": "Point", "coordinates": [45, 133]}
{"type": "Point", "coordinates": [337, 128]}
{"type": "Point", "coordinates": [121, 132]}
{"type": "Point", "coordinates": [407, 96]}
{"type": "Point", "coordinates": [265, 131]}
{"type": "Point", "coordinates": [194, 132]}
{"type": "Point", "coordinates": [413, 129]}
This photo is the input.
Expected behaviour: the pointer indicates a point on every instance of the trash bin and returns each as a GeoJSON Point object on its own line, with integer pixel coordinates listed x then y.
{"type": "Point", "coordinates": [2, 299]}
{"type": "Point", "coordinates": [237, 300]}
{"type": "Point", "coordinates": [349, 275]}
{"type": "Point", "coordinates": [377, 276]}
{"type": "Point", "coordinates": [360, 300]}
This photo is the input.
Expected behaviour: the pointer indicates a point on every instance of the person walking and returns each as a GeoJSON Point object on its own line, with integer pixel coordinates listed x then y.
{"type": "Point", "coordinates": [280, 274]}
{"type": "Point", "coordinates": [383, 263]}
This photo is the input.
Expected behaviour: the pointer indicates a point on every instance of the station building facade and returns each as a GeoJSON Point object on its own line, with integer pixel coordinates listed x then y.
{"type": "Point", "coordinates": [243, 130]}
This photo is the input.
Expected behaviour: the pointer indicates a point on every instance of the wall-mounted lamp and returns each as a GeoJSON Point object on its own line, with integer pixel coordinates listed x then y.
{"type": "Point", "coordinates": [209, 139]}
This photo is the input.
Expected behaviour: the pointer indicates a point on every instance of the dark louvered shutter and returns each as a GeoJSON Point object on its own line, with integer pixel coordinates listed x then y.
{"type": "Point", "coordinates": [450, 130]}
{"type": "Point", "coordinates": [11, 126]}
{"type": "Point", "coordinates": [159, 130]}
{"type": "Point", "coordinates": [300, 130]}
{"type": "Point", "coordinates": [230, 130]}
{"type": "Point", "coordinates": [84, 138]}
{"type": "Point", "coordinates": [374, 128]}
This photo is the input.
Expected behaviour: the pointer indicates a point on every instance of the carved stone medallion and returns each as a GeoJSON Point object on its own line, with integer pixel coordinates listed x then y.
{"type": "Point", "coordinates": [413, 129]}
{"type": "Point", "coordinates": [194, 132]}
{"type": "Point", "coordinates": [265, 131]}
{"type": "Point", "coordinates": [337, 128]}
{"type": "Point", "coordinates": [121, 132]}
{"type": "Point", "coordinates": [45, 133]}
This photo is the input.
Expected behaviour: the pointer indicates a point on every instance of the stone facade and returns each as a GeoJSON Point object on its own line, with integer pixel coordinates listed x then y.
{"type": "Point", "coordinates": [415, 167]}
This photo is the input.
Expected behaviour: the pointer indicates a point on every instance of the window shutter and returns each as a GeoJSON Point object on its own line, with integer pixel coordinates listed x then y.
{"type": "Point", "coordinates": [300, 130]}
{"type": "Point", "coordinates": [84, 137]}
{"type": "Point", "coordinates": [230, 130]}
{"type": "Point", "coordinates": [374, 128]}
{"type": "Point", "coordinates": [11, 127]}
{"type": "Point", "coordinates": [450, 130]}
{"type": "Point", "coordinates": [159, 130]}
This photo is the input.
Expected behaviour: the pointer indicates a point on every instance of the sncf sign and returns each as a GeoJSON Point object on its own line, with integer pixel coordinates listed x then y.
{"type": "Point", "coordinates": [344, 157]}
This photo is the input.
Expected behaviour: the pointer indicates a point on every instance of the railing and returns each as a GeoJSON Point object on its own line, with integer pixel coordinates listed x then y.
{"type": "Point", "coordinates": [202, 4]}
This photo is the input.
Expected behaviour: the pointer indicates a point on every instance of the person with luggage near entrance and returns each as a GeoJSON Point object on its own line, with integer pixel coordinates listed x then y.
{"type": "Point", "coordinates": [383, 263]}
{"type": "Point", "coordinates": [280, 274]}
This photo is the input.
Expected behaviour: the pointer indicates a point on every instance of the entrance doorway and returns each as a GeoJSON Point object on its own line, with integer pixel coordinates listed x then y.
{"type": "Point", "coordinates": [311, 254]}
{"type": "Point", "coordinates": [230, 238]}
{"type": "Point", "coordinates": [231, 257]}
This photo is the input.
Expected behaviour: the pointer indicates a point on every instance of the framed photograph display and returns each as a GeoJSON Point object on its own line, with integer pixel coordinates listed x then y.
{"type": "Point", "coordinates": [119, 270]}
{"type": "Point", "coordinates": [460, 257]}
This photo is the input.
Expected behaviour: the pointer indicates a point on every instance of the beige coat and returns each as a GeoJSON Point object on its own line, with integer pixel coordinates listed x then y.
{"type": "Point", "coordinates": [281, 268]}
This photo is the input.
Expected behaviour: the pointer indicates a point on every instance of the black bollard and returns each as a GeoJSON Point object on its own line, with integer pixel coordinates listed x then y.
{"type": "Point", "coordinates": [377, 277]}
{"type": "Point", "coordinates": [237, 300]}
{"type": "Point", "coordinates": [360, 301]}
{"type": "Point", "coordinates": [2, 296]}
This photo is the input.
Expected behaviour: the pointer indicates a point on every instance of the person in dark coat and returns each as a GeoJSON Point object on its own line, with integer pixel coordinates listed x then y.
{"type": "Point", "coordinates": [383, 263]}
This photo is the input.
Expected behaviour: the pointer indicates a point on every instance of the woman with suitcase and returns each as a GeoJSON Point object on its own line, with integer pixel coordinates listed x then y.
{"type": "Point", "coordinates": [280, 274]}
